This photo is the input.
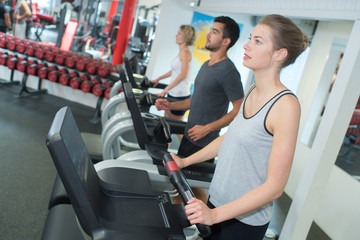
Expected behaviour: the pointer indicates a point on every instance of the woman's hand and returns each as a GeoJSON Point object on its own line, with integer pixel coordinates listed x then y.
{"type": "Point", "coordinates": [197, 212]}
{"type": "Point", "coordinates": [179, 161]}
{"type": "Point", "coordinates": [154, 82]}
{"type": "Point", "coordinates": [162, 94]}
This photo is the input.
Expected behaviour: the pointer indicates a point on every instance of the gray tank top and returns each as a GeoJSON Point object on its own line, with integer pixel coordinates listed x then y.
{"type": "Point", "coordinates": [243, 160]}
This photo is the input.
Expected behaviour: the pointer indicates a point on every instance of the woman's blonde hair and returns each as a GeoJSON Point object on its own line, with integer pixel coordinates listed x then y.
{"type": "Point", "coordinates": [285, 34]}
{"type": "Point", "coordinates": [189, 34]}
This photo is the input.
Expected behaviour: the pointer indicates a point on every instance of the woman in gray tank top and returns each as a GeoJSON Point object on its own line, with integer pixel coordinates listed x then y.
{"type": "Point", "coordinates": [256, 153]}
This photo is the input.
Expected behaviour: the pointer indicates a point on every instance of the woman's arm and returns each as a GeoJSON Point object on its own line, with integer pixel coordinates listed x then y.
{"type": "Point", "coordinates": [209, 152]}
{"type": "Point", "coordinates": [283, 122]}
{"type": "Point", "coordinates": [27, 11]}
{"type": "Point", "coordinates": [156, 81]}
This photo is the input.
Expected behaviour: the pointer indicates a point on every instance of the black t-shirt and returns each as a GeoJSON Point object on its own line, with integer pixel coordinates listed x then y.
{"type": "Point", "coordinates": [3, 10]}
{"type": "Point", "coordinates": [215, 86]}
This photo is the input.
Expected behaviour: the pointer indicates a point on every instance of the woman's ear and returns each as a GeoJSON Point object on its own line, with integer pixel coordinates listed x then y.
{"type": "Point", "coordinates": [281, 54]}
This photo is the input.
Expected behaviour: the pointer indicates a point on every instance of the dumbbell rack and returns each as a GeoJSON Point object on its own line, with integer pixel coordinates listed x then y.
{"type": "Point", "coordinates": [77, 73]}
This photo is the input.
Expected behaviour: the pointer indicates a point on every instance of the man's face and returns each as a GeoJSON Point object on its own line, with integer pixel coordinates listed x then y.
{"type": "Point", "coordinates": [214, 38]}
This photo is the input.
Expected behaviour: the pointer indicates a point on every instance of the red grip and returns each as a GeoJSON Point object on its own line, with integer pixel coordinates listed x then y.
{"type": "Point", "coordinates": [172, 166]}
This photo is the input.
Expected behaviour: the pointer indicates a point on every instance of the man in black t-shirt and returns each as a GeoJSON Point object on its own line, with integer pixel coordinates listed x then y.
{"type": "Point", "coordinates": [216, 85]}
{"type": "Point", "coordinates": [5, 21]}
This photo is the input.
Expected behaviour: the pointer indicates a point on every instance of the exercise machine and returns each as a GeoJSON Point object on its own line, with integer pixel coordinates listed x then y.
{"type": "Point", "coordinates": [112, 203]}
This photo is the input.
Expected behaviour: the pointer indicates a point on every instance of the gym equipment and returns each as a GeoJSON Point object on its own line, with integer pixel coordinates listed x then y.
{"type": "Point", "coordinates": [75, 82]}
{"type": "Point", "coordinates": [182, 186]}
{"type": "Point", "coordinates": [53, 76]}
{"type": "Point", "coordinates": [113, 203]}
{"type": "Point", "coordinates": [156, 148]}
{"type": "Point", "coordinates": [68, 36]}
{"type": "Point", "coordinates": [43, 21]}
{"type": "Point", "coordinates": [64, 79]}
{"type": "Point", "coordinates": [43, 72]}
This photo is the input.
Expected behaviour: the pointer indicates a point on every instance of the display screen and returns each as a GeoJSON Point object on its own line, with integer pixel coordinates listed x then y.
{"type": "Point", "coordinates": [76, 147]}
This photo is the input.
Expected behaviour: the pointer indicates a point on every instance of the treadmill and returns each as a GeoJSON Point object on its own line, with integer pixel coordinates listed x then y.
{"type": "Point", "coordinates": [113, 203]}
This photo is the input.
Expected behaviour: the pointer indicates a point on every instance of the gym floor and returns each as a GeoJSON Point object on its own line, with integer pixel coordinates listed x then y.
{"type": "Point", "coordinates": [27, 171]}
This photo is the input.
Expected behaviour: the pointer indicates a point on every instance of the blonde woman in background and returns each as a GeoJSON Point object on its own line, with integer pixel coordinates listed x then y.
{"type": "Point", "coordinates": [179, 86]}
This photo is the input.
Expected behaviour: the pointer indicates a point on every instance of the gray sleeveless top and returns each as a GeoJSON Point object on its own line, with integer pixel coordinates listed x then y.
{"type": "Point", "coordinates": [243, 160]}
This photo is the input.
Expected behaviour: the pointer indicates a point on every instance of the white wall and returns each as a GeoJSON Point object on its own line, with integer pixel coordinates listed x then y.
{"type": "Point", "coordinates": [164, 48]}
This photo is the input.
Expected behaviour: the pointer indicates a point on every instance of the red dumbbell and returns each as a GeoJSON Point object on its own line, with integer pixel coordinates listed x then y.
{"type": "Point", "coordinates": [85, 77]}
{"type": "Point", "coordinates": [32, 69]}
{"type": "Point", "coordinates": [3, 42]}
{"type": "Point", "coordinates": [63, 70]}
{"type": "Point", "coordinates": [21, 66]}
{"type": "Point", "coordinates": [20, 48]}
{"type": "Point", "coordinates": [53, 76]}
{"type": "Point", "coordinates": [81, 63]}
{"type": "Point", "coordinates": [30, 50]}
{"type": "Point", "coordinates": [43, 72]}
{"type": "Point", "coordinates": [71, 61]}
{"type": "Point", "coordinates": [59, 59]}
{"type": "Point", "coordinates": [91, 67]}
{"type": "Point", "coordinates": [49, 56]}
{"type": "Point", "coordinates": [98, 90]}
{"type": "Point", "coordinates": [87, 86]}
{"type": "Point", "coordinates": [42, 64]}
{"type": "Point", "coordinates": [32, 61]}
{"type": "Point", "coordinates": [11, 45]}
{"type": "Point", "coordinates": [39, 53]}
{"type": "Point", "coordinates": [76, 82]}
{"type": "Point", "coordinates": [53, 68]}
{"type": "Point", "coordinates": [74, 74]}
{"type": "Point", "coordinates": [11, 63]}
{"type": "Point", "coordinates": [3, 59]}
{"type": "Point", "coordinates": [107, 93]}
{"type": "Point", "coordinates": [103, 70]}
{"type": "Point", "coordinates": [64, 79]}
{"type": "Point", "coordinates": [96, 80]}
{"type": "Point", "coordinates": [108, 84]}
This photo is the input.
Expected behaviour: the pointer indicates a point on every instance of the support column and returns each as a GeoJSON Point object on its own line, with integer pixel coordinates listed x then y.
{"type": "Point", "coordinates": [327, 143]}
{"type": "Point", "coordinates": [124, 30]}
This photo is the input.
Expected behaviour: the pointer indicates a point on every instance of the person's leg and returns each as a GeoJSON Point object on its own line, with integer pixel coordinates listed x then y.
{"type": "Point", "coordinates": [235, 230]}
{"type": "Point", "coordinates": [169, 114]}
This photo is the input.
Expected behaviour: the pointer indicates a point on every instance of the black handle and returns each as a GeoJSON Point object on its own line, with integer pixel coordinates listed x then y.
{"type": "Point", "coordinates": [182, 186]}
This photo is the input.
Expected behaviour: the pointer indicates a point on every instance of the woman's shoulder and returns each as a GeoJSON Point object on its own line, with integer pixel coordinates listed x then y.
{"type": "Point", "coordinates": [185, 54]}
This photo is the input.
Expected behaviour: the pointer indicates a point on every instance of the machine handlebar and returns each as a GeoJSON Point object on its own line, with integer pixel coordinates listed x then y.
{"type": "Point", "coordinates": [182, 186]}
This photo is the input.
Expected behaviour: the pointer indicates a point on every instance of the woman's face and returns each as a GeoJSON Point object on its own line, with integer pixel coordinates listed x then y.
{"type": "Point", "coordinates": [180, 38]}
{"type": "Point", "coordinates": [259, 49]}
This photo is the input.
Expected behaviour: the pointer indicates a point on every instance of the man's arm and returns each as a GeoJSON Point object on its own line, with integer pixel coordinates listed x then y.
{"type": "Point", "coordinates": [7, 21]}
{"type": "Point", "coordinates": [163, 104]}
{"type": "Point", "coordinates": [199, 131]}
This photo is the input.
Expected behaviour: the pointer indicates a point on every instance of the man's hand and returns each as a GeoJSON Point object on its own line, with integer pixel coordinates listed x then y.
{"type": "Point", "coordinates": [198, 132]}
{"type": "Point", "coordinates": [162, 104]}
